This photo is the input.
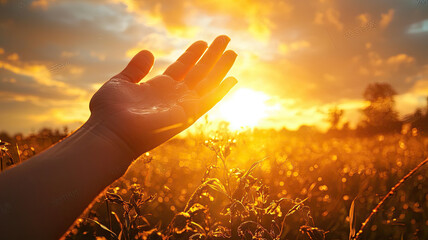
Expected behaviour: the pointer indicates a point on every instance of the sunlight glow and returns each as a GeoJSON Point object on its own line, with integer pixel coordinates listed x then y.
{"type": "Point", "coordinates": [245, 108]}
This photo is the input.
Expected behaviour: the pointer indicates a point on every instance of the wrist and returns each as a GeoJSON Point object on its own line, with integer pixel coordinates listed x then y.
{"type": "Point", "coordinates": [110, 139]}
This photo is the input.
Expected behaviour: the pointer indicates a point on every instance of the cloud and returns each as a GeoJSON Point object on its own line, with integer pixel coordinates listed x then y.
{"type": "Point", "coordinates": [386, 18]}
{"type": "Point", "coordinates": [311, 53]}
{"type": "Point", "coordinates": [43, 4]}
{"type": "Point", "coordinates": [158, 44]}
{"type": "Point", "coordinates": [332, 16]}
{"type": "Point", "coordinates": [418, 27]}
{"type": "Point", "coordinates": [420, 87]}
{"type": "Point", "coordinates": [294, 46]}
{"type": "Point", "coordinates": [364, 18]}
{"type": "Point", "coordinates": [41, 75]}
{"type": "Point", "coordinates": [188, 18]}
{"type": "Point", "coordinates": [13, 57]}
{"type": "Point", "coordinates": [400, 59]}
{"type": "Point", "coordinates": [98, 55]}
{"type": "Point", "coordinates": [69, 54]}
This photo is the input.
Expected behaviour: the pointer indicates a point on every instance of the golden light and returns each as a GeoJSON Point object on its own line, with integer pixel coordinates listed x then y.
{"type": "Point", "coordinates": [244, 108]}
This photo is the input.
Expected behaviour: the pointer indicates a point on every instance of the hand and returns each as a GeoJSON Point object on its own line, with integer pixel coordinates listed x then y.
{"type": "Point", "coordinates": [141, 116]}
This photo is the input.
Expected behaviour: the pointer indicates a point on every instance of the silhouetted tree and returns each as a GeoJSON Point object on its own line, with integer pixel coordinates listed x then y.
{"type": "Point", "coordinates": [334, 117]}
{"type": "Point", "coordinates": [419, 119]}
{"type": "Point", "coordinates": [380, 115]}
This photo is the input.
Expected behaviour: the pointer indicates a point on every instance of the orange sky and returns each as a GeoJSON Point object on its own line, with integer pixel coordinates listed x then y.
{"type": "Point", "coordinates": [299, 58]}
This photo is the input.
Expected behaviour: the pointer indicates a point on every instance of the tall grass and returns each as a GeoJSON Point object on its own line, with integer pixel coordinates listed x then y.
{"type": "Point", "coordinates": [265, 184]}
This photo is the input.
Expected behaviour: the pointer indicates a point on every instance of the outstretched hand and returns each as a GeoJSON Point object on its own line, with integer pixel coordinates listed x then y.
{"type": "Point", "coordinates": [127, 119]}
{"type": "Point", "coordinates": [143, 115]}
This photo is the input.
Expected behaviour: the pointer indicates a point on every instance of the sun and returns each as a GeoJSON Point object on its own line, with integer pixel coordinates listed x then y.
{"type": "Point", "coordinates": [244, 108]}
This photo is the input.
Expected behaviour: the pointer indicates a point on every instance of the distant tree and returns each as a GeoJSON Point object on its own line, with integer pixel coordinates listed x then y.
{"type": "Point", "coordinates": [346, 127]}
{"type": "Point", "coordinates": [307, 131]}
{"type": "Point", "coordinates": [380, 115]}
{"type": "Point", "coordinates": [5, 137]}
{"type": "Point", "coordinates": [419, 119]}
{"type": "Point", "coordinates": [335, 116]}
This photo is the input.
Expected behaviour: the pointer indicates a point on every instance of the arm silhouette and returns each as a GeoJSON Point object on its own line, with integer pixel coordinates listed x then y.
{"type": "Point", "coordinates": [42, 197]}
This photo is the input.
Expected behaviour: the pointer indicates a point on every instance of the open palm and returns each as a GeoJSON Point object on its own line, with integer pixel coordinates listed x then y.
{"type": "Point", "coordinates": [144, 115]}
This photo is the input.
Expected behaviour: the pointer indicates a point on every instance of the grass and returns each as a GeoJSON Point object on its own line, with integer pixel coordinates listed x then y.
{"type": "Point", "coordinates": [393, 190]}
{"type": "Point", "coordinates": [264, 184]}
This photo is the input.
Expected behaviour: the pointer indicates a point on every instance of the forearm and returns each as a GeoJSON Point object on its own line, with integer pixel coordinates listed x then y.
{"type": "Point", "coordinates": [40, 198]}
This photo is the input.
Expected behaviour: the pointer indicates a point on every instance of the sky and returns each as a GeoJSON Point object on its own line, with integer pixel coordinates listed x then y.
{"type": "Point", "coordinates": [301, 57]}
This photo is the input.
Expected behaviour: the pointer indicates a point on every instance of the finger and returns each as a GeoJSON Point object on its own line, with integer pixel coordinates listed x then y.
{"type": "Point", "coordinates": [185, 62]}
{"type": "Point", "coordinates": [138, 67]}
{"type": "Point", "coordinates": [201, 69]}
{"type": "Point", "coordinates": [212, 98]}
{"type": "Point", "coordinates": [217, 74]}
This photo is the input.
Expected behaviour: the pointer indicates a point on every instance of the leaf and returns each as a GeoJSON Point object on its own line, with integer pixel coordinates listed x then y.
{"type": "Point", "coordinates": [197, 207]}
{"type": "Point", "coordinates": [145, 220]}
{"type": "Point", "coordinates": [149, 199]}
{"type": "Point", "coordinates": [197, 236]}
{"type": "Point", "coordinates": [312, 232]}
{"type": "Point", "coordinates": [253, 166]}
{"type": "Point", "coordinates": [352, 220]}
{"type": "Point", "coordinates": [217, 186]}
{"type": "Point", "coordinates": [120, 224]}
{"type": "Point", "coordinates": [212, 183]}
{"type": "Point", "coordinates": [198, 227]}
{"type": "Point", "coordinates": [296, 207]}
{"type": "Point", "coordinates": [113, 197]}
{"type": "Point", "coordinates": [239, 191]}
{"type": "Point", "coordinates": [134, 205]}
{"type": "Point", "coordinates": [274, 205]}
{"type": "Point", "coordinates": [103, 227]}
{"type": "Point", "coordinates": [252, 228]}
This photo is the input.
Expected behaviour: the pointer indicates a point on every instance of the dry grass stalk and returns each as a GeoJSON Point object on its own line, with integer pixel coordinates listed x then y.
{"type": "Point", "coordinates": [387, 196]}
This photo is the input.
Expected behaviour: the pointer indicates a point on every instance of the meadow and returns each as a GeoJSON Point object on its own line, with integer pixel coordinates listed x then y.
{"type": "Point", "coordinates": [260, 184]}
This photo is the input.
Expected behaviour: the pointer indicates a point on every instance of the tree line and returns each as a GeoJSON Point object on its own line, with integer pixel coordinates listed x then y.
{"type": "Point", "coordinates": [380, 115]}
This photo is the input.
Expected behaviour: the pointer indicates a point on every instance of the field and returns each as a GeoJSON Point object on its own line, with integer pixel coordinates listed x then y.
{"type": "Point", "coordinates": [261, 184]}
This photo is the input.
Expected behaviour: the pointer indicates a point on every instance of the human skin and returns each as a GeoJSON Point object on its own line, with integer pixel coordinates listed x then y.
{"type": "Point", "coordinates": [42, 197]}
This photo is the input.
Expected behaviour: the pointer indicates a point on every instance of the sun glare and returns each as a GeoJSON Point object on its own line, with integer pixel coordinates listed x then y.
{"type": "Point", "coordinates": [245, 108]}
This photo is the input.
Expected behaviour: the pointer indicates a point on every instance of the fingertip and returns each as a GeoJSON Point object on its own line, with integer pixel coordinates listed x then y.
{"type": "Point", "coordinates": [230, 81]}
{"type": "Point", "coordinates": [201, 43]}
{"type": "Point", "coordinates": [223, 38]}
{"type": "Point", "coordinates": [231, 52]}
{"type": "Point", "coordinates": [144, 56]}
{"type": "Point", "coordinates": [198, 46]}
{"type": "Point", "coordinates": [139, 66]}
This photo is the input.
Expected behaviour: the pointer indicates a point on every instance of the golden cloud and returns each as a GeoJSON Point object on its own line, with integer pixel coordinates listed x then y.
{"type": "Point", "coordinates": [43, 4]}
{"type": "Point", "coordinates": [13, 57]}
{"type": "Point", "coordinates": [386, 18]}
{"type": "Point", "coordinates": [329, 16]}
{"type": "Point", "coordinates": [159, 45]}
{"type": "Point", "coordinates": [67, 54]}
{"type": "Point", "coordinates": [294, 46]}
{"type": "Point", "coordinates": [187, 18]}
{"type": "Point", "coordinates": [400, 59]}
{"type": "Point", "coordinates": [41, 74]}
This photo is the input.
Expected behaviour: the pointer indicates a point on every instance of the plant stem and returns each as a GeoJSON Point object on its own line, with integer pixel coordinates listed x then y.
{"type": "Point", "coordinates": [390, 193]}
{"type": "Point", "coordinates": [108, 214]}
